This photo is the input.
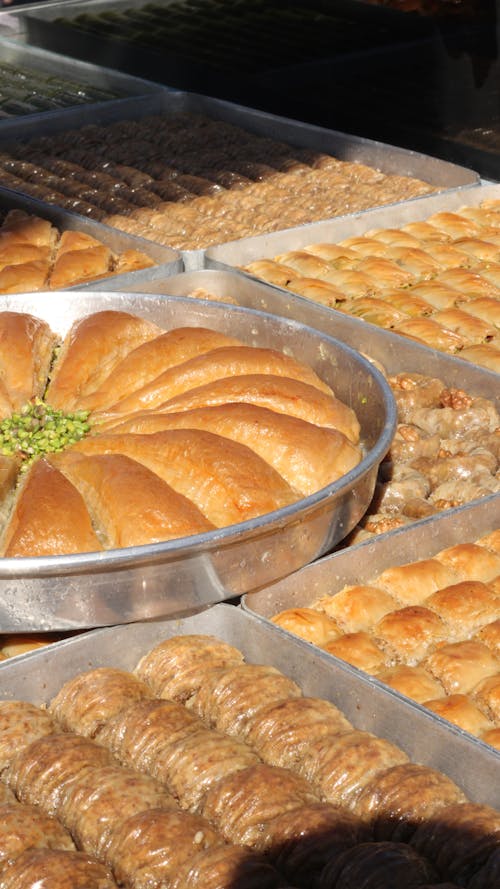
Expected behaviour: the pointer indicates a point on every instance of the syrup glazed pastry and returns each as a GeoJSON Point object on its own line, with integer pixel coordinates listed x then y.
{"type": "Point", "coordinates": [169, 433]}
{"type": "Point", "coordinates": [422, 281]}
{"type": "Point", "coordinates": [35, 255]}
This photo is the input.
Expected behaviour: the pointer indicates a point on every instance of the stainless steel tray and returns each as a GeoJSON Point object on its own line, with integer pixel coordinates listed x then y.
{"type": "Point", "coordinates": [360, 564]}
{"type": "Point", "coordinates": [394, 352]}
{"type": "Point", "coordinates": [387, 158]}
{"type": "Point", "coordinates": [168, 261]}
{"type": "Point", "coordinates": [47, 64]}
{"type": "Point", "coordinates": [134, 583]}
{"type": "Point", "coordinates": [37, 677]}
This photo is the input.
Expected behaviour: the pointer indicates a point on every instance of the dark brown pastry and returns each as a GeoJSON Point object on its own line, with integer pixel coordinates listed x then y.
{"type": "Point", "coordinates": [26, 827]}
{"type": "Point", "coordinates": [87, 701]}
{"type": "Point", "coordinates": [176, 667]}
{"type": "Point", "coordinates": [20, 724]}
{"type": "Point", "coordinates": [57, 869]}
{"type": "Point", "coordinates": [381, 865]}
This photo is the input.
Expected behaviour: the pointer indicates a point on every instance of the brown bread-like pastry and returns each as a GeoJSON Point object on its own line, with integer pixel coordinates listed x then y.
{"type": "Point", "coordinates": [484, 354]}
{"type": "Point", "coordinates": [26, 350]}
{"type": "Point", "coordinates": [49, 517]}
{"type": "Point", "coordinates": [282, 731]}
{"type": "Point", "coordinates": [148, 849]}
{"type": "Point", "coordinates": [357, 608]}
{"type": "Point", "coordinates": [228, 699]}
{"type": "Point", "coordinates": [412, 583]}
{"type": "Point", "coordinates": [26, 827]}
{"type": "Point", "coordinates": [42, 773]}
{"type": "Point", "coordinates": [6, 795]}
{"type": "Point", "coordinates": [289, 444]}
{"type": "Point", "coordinates": [24, 277]}
{"type": "Point", "coordinates": [143, 363]}
{"type": "Point", "coordinates": [20, 227]}
{"type": "Point", "coordinates": [20, 724]}
{"type": "Point", "coordinates": [281, 394]}
{"type": "Point", "coordinates": [360, 650]}
{"type": "Point", "coordinates": [227, 481]}
{"type": "Point", "coordinates": [491, 541]}
{"type": "Point", "coordinates": [86, 702]}
{"type": "Point", "coordinates": [413, 682]}
{"type": "Point", "coordinates": [58, 869]}
{"type": "Point", "coordinates": [460, 666]}
{"type": "Point", "coordinates": [490, 636]}
{"type": "Point", "coordinates": [339, 767]}
{"type": "Point", "coordinates": [487, 696]}
{"type": "Point", "coordinates": [176, 667]}
{"type": "Point", "coordinates": [102, 798]}
{"type": "Point", "coordinates": [129, 504]}
{"type": "Point", "coordinates": [92, 347]}
{"type": "Point", "coordinates": [397, 800]}
{"type": "Point", "coordinates": [459, 839]}
{"type": "Point", "coordinates": [472, 561]}
{"type": "Point", "coordinates": [461, 711]}
{"type": "Point", "coordinates": [221, 866]}
{"type": "Point", "coordinates": [465, 607]}
{"type": "Point", "coordinates": [407, 634]}
{"type": "Point", "coordinates": [300, 841]}
{"type": "Point", "coordinates": [381, 865]}
{"type": "Point", "coordinates": [77, 266]}
{"type": "Point", "coordinates": [242, 804]}
{"type": "Point", "coordinates": [308, 623]}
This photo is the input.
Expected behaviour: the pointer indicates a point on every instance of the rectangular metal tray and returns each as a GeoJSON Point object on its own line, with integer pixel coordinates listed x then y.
{"type": "Point", "coordinates": [168, 261]}
{"type": "Point", "coordinates": [386, 158]}
{"type": "Point", "coordinates": [49, 64]}
{"type": "Point", "coordinates": [37, 677]}
{"type": "Point", "coordinates": [395, 353]}
{"type": "Point", "coordinates": [361, 563]}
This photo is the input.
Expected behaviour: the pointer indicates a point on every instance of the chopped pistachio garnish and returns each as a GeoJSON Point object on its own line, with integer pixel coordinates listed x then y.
{"type": "Point", "coordinates": [40, 429]}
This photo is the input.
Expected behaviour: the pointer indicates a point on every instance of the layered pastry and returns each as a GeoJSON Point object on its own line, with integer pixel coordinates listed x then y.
{"type": "Point", "coordinates": [213, 181]}
{"type": "Point", "coordinates": [167, 435]}
{"type": "Point", "coordinates": [429, 629]}
{"type": "Point", "coordinates": [327, 810]}
{"type": "Point", "coordinates": [422, 281]}
{"type": "Point", "coordinates": [35, 255]}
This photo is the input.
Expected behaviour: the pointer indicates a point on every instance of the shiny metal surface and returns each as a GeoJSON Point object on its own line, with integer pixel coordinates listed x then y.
{"type": "Point", "coordinates": [168, 261]}
{"type": "Point", "coordinates": [370, 706]}
{"type": "Point", "coordinates": [142, 582]}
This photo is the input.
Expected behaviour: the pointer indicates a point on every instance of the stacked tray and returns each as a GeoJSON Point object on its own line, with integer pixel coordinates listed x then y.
{"type": "Point", "coordinates": [160, 261]}
{"type": "Point", "coordinates": [179, 215]}
{"type": "Point", "coordinates": [136, 582]}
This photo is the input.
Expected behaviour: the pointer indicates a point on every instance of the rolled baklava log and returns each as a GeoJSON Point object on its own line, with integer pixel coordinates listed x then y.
{"type": "Point", "coordinates": [86, 702]}
{"type": "Point", "coordinates": [241, 805]}
{"type": "Point", "coordinates": [27, 827]}
{"type": "Point", "coordinates": [150, 848]}
{"type": "Point", "coordinates": [145, 734]}
{"type": "Point", "coordinates": [20, 724]}
{"type": "Point", "coordinates": [227, 866]}
{"type": "Point", "coordinates": [58, 869]}
{"type": "Point", "coordinates": [382, 865]}
{"type": "Point", "coordinates": [100, 799]}
{"type": "Point", "coordinates": [42, 773]}
{"type": "Point", "coordinates": [282, 731]}
{"type": "Point", "coordinates": [340, 767]}
{"type": "Point", "coordinates": [300, 841]}
{"type": "Point", "coordinates": [460, 839]}
{"type": "Point", "coordinates": [397, 800]}
{"type": "Point", "coordinates": [6, 795]}
{"type": "Point", "coordinates": [176, 667]}
{"type": "Point", "coordinates": [229, 699]}
{"type": "Point", "coordinates": [199, 762]}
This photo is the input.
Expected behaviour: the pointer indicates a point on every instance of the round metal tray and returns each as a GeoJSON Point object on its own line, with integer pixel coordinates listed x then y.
{"type": "Point", "coordinates": [188, 574]}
